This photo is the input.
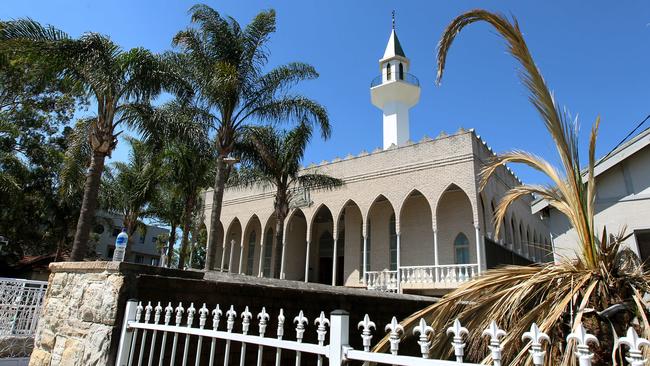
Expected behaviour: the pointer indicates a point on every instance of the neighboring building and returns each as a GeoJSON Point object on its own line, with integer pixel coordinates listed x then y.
{"type": "Point", "coordinates": [411, 214]}
{"type": "Point", "coordinates": [622, 200]}
{"type": "Point", "coordinates": [143, 245]}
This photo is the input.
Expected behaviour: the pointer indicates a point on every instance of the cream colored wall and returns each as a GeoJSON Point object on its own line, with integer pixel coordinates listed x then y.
{"type": "Point", "coordinates": [454, 216]}
{"type": "Point", "coordinates": [622, 200]}
{"type": "Point", "coordinates": [296, 244]}
{"type": "Point", "coordinates": [429, 167]}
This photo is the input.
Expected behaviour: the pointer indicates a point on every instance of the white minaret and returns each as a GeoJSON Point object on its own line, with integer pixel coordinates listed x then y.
{"type": "Point", "coordinates": [395, 91]}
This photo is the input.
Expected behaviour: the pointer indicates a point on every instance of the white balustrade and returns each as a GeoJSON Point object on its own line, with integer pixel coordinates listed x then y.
{"type": "Point", "coordinates": [449, 275]}
{"type": "Point", "coordinates": [143, 323]}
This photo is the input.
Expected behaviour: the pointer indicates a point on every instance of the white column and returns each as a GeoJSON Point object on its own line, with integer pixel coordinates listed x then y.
{"type": "Point", "coordinates": [223, 254]}
{"type": "Point", "coordinates": [436, 261]}
{"type": "Point", "coordinates": [478, 247]}
{"type": "Point", "coordinates": [334, 257]}
{"type": "Point", "coordinates": [232, 248]}
{"type": "Point", "coordinates": [307, 261]}
{"type": "Point", "coordinates": [399, 264]}
{"type": "Point", "coordinates": [260, 267]}
{"type": "Point", "coordinates": [365, 257]}
{"type": "Point", "coordinates": [241, 254]}
{"type": "Point", "coordinates": [284, 240]}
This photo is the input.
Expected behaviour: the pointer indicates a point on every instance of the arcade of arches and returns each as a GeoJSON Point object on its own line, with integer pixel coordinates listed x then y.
{"type": "Point", "coordinates": [329, 247]}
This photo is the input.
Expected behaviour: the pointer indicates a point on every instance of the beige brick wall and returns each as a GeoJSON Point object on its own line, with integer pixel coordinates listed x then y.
{"type": "Point", "coordinates": [431, 168]}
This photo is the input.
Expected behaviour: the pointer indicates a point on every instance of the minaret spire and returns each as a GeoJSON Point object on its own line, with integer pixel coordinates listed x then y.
{"type": "Point", "coordinates": [395, 91]}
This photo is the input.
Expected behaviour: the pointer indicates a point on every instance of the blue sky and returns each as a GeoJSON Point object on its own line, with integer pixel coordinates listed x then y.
{"type": "Point", "coordinates": [594, 55]}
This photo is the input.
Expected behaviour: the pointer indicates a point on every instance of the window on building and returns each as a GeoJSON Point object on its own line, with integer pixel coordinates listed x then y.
{"type": "Point", "coordinates": [250, 256]}
{"type": "Point", "coordinates": [401, 71]}
{"type": "Point", "coordinates": [461, 249]}
{"type": "Point", "coordinates": [367, 248]}
{"type": "Point", "coordinates": [142, 239]}
{"type": "Point", "coordinates": [99, 229]}
{"type": "Point", "coordinates": [116, 232]}
{"type": "Point", "coordinates": [139, 259]}
{"type": "Point", "coordinates": [642, 238]}
{"type": "Point", "coordinates": [393, 243]}
{"type": "Point", "coordinates": [153, 240]}
{"type": "Point", "coordinates": [268, 253]}
{"type": "Point", "coordinates": [155, 262]}
{"type": "Point", "coordinates": [388, 72]}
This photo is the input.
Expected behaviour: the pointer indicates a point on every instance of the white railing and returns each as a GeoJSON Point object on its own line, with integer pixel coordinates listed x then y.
{"type": "Point", "coordinates": [445, 274]}
{"type": "Point", "coordinates": [20, 305]}
{"type": "Point", "coordinates": [385, 281]}
{"type": "Point", "coordinates": [156, 334]}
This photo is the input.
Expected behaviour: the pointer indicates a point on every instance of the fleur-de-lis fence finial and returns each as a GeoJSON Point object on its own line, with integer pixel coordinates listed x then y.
{"type": "Point", "coordinates": [322, 322]}
{"type": "Point", "coordinates": [168, 313]}
{"type": "Point", "coordinates": [424, 331]}
{"type": "Point", "coordinates": [138, 312]}
{"type": "Point", "coordinates": [459, 346]}
{"type": "Point", "coordinates": [634, 343]}
{"type": "Point", "coordinates": [147, 312]}
{"type": "Point", "coordinates": [395, 330]}
{"type": "Point", "coordinates": [263, 317]}
{"type": "Point", "coordinates": [582, 339]}
{"type": "Point", "coordinates": [179, 313]}
{"type": "Point", "coordinates": [495, 333]}
{"type": "Point", "coordinates": [190, 315]}
{"type": "Point", "coordinates": [536, 337]}
{"type": "Point", "coordinates": [203, 316]}
{"type": "Point", "coordinates": [300, 321]}
{"type": "Point", "coordinates": [230, 318]}
{"type": "Point", "coordinates": [281, 319]}
{"type": "Point", "coordinates": [366, 335]}
{"type": "Point", "coordinates": [216, 316]}
{"type": "Point", "coordinates": [158, 310]}
{"type": "Point", "coordinates": [246, 320]}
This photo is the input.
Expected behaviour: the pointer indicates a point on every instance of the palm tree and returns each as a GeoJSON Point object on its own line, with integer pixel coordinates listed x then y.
{"type": "Point", "coordinates": [225, 63]}
{"type": "Point", "coordinates": [271, 159]}
{"type": "Point", "coordinates": [128, 187]}
{"type": "Point", "coordinates": [167, 207]}
{"type": "Point", "coordinates": [111, 76]}
{"type": "Point", "coordinates": [602, 288]}
{"type": "Point", "coordinates": [189, 167]}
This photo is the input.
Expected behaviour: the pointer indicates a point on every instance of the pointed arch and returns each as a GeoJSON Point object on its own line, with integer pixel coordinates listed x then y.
{"type": "Point", "coordinates": [350, 225]}
{"type": "Point", "coordinates": [295, 244]}
{"type": "Point", "coordinates": [455, 214]}
{"type": "Point", "coordinates": [252, 237]}
{"type": "Point", "coordinates": [381, 223]}
{"type": "Point", "coordinates": [416, 231]}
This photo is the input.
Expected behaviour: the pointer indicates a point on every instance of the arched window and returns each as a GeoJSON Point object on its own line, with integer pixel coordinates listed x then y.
{"type": "Point", "coordinates": [512, 238]}
{"type": "Point", "coordinates": [393, 243]}
{"type": "Point", "coordinates": [461, 249]}
{"type": "Point", "coordinates": [388, 72]}
{"type": "Point", "coordinates": [367, 249]}
{"type": "Point", "coordinates": [250, 256]}
{"type": "Point", "coordinates": [268, 252]}
{"type": "Point", "coordinates": [401, 71]}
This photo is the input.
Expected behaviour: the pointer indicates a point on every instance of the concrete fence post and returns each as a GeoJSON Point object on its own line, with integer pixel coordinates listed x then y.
{"type": "Point", "coordinates": [126, 336]}
{"type": "Point", "coordinates": [339, 335]}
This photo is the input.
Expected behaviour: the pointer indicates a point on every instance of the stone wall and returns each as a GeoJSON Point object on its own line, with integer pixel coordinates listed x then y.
{"type": "Point", "coordinates": [83, 310]}
{"type": "Point", "coordinates": [85, 301]}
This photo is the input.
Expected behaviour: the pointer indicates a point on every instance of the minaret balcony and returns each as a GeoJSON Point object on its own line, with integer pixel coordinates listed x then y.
{"type": "Point", "coordinates": [404, 78]}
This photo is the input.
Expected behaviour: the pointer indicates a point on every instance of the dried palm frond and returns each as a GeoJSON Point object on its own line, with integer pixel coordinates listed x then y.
{"type": "Point", "coordinates": [556, 296]}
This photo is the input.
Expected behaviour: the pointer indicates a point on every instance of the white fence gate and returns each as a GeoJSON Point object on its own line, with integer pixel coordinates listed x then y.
{"type": "Point", "coordinates": [20, 307]}
{"type": "Point", "coordinates": [164, 335]}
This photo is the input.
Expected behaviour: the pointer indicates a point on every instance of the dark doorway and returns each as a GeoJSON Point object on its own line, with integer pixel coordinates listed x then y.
{"type": "Point", "coordinates": [325, 251]}
{"type": "Point", "coordinates": [643, 243]}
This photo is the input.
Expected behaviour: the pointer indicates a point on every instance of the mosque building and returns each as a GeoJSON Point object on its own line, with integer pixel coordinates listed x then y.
{"type": "Point", "coordinates": [410, 217]}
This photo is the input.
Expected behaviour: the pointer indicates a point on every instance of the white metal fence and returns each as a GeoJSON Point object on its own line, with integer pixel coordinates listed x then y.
{"type": "Point", "coordinates": [20, 306]}
{"type": "Point", "coordinates": [169, 335]}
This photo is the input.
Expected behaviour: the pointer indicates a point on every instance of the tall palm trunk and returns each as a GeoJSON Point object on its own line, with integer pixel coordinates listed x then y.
{"type": "Point", "coordinates": [279, 232]}
{"type": "Point", "coordinates": [187, 220]}
{"type": "Point", "coordinates": [88, 206]}
{"type": "Point", "coordinates": [215, 216]}
{"type": "Point", "coordinates": [170, 244]}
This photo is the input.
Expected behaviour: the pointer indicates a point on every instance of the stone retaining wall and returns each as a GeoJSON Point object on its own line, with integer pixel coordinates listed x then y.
{"type": "Point", "coordinates": [84, 305]}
